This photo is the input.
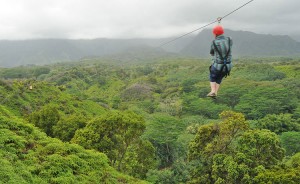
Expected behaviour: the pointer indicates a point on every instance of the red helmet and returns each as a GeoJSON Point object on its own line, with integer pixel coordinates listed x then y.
{"type": "Point", "coordinates": [218, 30]}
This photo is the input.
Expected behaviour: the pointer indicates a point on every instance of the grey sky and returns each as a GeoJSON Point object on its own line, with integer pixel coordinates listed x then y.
{"type": "Point", "coordinates": [27, 19]}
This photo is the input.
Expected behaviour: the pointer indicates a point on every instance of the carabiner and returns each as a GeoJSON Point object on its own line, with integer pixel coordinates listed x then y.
{"type": "Point", "coordinates": [219, 20]}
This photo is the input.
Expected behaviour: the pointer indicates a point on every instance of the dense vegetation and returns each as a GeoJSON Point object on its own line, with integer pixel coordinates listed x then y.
{"type": "Point", "coordinates": [102, 122]}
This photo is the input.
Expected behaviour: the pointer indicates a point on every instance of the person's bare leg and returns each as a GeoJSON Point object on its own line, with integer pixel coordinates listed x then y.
{"type": "Point", "coordinates": [217, 86]}
{"type": "Point", "coordinates": [213, 87]}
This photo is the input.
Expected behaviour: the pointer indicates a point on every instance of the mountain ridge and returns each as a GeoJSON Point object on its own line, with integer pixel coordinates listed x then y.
{"type": "Point", "coordinates": [246, 43]}
{"type": "Point", "coordinates": [47, 51]}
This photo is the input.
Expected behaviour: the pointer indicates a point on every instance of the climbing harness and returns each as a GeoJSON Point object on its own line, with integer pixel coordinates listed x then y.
{"type": "Point", "coordinates": [224, 59]}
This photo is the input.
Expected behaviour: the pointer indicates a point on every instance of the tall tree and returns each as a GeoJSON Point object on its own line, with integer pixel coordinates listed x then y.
{"type": "Point", "coordinates": [212, 140]}
{"type": "Point", "coordinates": [162, 131]}
{"type": "Point", "coordinates": [45, 118]}
{"type": "Point", "coordinates": [66, 127]}
{"type": "Point", "coordinates": [112, 134]}
{"type": "Point", "coordinates": [262, 147]}
{"type": "Point", "coordinates": [229, 152]}
{"type": "Point", "coordinates": [217, 138]}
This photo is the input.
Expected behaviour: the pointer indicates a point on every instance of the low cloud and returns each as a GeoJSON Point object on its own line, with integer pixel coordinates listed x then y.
{"type": "Point", "coordinates": [29, 19]}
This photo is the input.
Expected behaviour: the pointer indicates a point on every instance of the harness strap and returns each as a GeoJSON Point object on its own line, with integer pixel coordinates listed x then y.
{"type": "Point", "coordinates": [228, 51]}
{"type": "Point", "coordinates": [225, 62]}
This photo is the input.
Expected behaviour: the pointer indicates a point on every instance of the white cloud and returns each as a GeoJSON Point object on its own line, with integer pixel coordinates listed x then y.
{"type": "Point", "coordinates": [24, 19]}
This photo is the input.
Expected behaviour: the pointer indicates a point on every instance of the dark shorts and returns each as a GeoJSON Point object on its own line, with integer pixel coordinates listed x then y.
{"type": "Point", "coordinates": [215, 75]}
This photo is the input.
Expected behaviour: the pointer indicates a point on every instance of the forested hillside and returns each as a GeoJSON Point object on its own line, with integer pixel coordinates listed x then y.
{"type": "Point", "coordinates": [99, 121]}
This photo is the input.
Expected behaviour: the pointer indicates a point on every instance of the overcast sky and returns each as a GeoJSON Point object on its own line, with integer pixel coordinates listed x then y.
{"type": "Point", "coordinates": [74, 19]}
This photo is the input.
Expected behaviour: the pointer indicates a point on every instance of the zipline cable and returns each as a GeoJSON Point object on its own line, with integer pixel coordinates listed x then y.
{"type": "Point", "coordinates": [187, 34]}
{"type": "Point", "coordinates": [237, 9]}
{"type": "Point", "coordinates": [218, 20]}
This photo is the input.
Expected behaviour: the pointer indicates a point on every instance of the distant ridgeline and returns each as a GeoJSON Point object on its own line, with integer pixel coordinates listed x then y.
{"type": "Point", "coordinates": [45, 51]}
{"type": "Point", "coordinates": [246, 44]}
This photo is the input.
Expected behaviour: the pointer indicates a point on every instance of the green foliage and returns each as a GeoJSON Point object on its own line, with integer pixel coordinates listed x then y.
{"type": "Point", "coordinates": [289, 173]}
{"type": "Point", "coordinates": [29, 156]}
{"type": "Point", "coordinates": [294, 161]}
{"type": "Point", "coordinates": [292, 84]}
{"type": "Point", "coordinates": [5, 84]}
{"type": "Point", "coordinates": [137, 92]}
{"type": "Point", "coordinates": [139, 159]}
{"type": "Point", "coordinates": [213, 140]}
{"type": "Point", "coordinates": [204, 107]}
{"type": "Point", "coordinates": [24, 72]}
{"type": "Point", "coordinates": [149, 106]}
{"type": "Point", "coordinates": [229, 152]}
{"type": "Point", "coordinates": [66, 127]}
{"type": "Point", "coordinates": [163, 130]}
{"type": "Point", "coordinates": [164, 176]}
{"type": "Point", "coordinates": [171, 106]}
{"type": "Point", "coordinates": [145, 70]}
{"type": "Point", "coordinates": [171, 96]}
{"type": "Point", "coordinates": [112, 134]}
{"type": "Point", "coordinates": [227, 169]}
{"type": "Point", "coordinates": [278, 123]}
{"type": "Point", "coordinates": [218, 138]}
{"type": "Point", "coordinates": [231, 95]}
{"type": "Point", "coordinates": [188, 85]}
{"type": "Point", "coordinates": [290, 142]}
{"type": "Point", "coordinates": [45, 119]}
{"type": "Point", "coordinates": [262, 147]}
{"type": "Point", "coordinates": [178, 173]}
{"type": "Point", "coordinates": [261, 101]}
{"type": "Point", "coordinates": [41, 70]}
{"type": "Point", "coordinates": [5, 112]}
{"type": "Point", "coordinates": [279, 176]}
{"type": "Point", "coordinates": [258, 72]}
{"type": "Point", "coordinates": [194, 122]}
{"type": "Point", "coordinates": [296, 114]}
{"type": "Point", "coordinates": [19, 72]}
{"type": "Point", "coordinates": [291, 71]}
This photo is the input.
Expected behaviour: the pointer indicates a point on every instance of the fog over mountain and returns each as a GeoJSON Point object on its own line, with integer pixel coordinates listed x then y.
{"type": "Point", "coordinates": [46, 51]}
{"type": "Point", "coordinates": [245, 44]}
{"type": "Point", "coordinates": [296, 37]}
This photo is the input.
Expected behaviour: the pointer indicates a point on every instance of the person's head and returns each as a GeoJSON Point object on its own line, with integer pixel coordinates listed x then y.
{"type": "Point", "coordinates": [218, 30]}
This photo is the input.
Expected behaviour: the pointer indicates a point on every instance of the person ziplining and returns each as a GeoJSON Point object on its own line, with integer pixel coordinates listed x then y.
{"type": "Point", "coordinates": [221, 49]}
{"type": "Point", "coordinates": [221, 65]}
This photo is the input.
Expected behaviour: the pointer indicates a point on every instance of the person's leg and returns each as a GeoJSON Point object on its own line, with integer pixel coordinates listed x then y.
{"type": "Point", "coordinates": [213, 87]}
{"type": "Point", "coordinates": [212, 92]}
{"type": "Point", "coordinates": [218, 83]}
{"type": "Point", "coordinates": [217, 86]}
{"type": "Point", "coordinates": [212, 79]}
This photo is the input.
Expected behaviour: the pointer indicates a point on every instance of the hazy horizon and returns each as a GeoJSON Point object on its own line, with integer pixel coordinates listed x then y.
{"type": "Point", "coordinates": [295, 37]}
